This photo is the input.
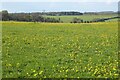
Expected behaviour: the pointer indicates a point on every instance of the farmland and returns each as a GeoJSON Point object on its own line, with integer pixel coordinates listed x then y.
{"type": "Point", "coordinates": [59, 50]}
{"type": "Point", "coordinates": [85, 17]}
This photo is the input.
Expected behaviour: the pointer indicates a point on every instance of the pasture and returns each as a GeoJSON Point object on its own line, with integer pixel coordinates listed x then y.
{"type": "Point", "coordinates": [85, 17]}
{"type": "Point", "coordinates": [59, 50]}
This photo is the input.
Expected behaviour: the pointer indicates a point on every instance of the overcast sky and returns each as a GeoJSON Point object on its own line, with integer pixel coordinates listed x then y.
{"type": "Point", "coordinates": [109, 1]}
{"type": "Point", "coordinates": [60, 5]}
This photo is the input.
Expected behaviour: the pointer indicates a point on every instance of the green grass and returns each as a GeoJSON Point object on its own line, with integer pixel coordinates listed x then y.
{"type": "Point", "coordinates": [86, 17]}
{"type": "Point", "coordinates": [0, 51]}
{"type": "Point", "coordinates": [60, 50]}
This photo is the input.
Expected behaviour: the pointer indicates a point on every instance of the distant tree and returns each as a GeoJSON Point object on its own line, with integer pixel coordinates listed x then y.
{"type": "Point", "coordinates": [5, 15]}
{"type": "Point", "coordinates": [98, 20]}
{"type": "Point", "coordinates": [77, 20]}
{"type": "Point", "coordinates": [82, 21]}
{"type": "Point", "coordinates": [0, 16]}
{"type": "Point", "coordinates": [28, 17]}
{"type": "Point", "coordinates": [85, 21]}
{"type": "Point", "coordinates": [59, 19]}
{"type": "Point", "coordinates": [88, 22]}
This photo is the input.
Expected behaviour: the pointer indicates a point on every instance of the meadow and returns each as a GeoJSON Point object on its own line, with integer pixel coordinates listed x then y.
{"type": "Point", "coordinates": [59, 50]}
{"type": "Point", "coordinates": [85, 17]}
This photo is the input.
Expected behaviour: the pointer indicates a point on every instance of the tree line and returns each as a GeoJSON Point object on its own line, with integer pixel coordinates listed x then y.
{"type": "Point", "coordinates": [28, 17]}
{"type": "Point", "coordinates": [61, 13]}
{"type": "Point", "coordinates": [34, 17]}
{"type": "Point", "coordinates": [37, 17]}
{"type": "Point", "coordinates": [78, 20]}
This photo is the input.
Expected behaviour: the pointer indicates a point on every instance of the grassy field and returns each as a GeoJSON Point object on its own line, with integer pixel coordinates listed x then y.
{"type": "Point", "coordinates": [86, 17]}
{"type": "Point", "coordinates": [60, 50]}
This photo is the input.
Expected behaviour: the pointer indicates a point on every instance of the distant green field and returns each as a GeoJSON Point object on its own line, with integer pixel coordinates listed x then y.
{"type": "Point", "coordinates": [60, 50]}
{"type": "Point", "coordinates": [84, 17]}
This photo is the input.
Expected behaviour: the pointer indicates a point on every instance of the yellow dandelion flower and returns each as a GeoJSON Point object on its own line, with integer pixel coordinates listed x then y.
{"type": "Point", "coordinates": [9, 64]}
{"type": "Point", "coordinates": [114, 68]}
{"type": "Point", "coordinates": [77, 70]}
{"type": "Point", "coordinates": [35, 74]}
{"type": "Point", "coordinates": [40, 72]}
{"type": "Point", "coordinates": [34, 71]}
{"type": "Point", "coordinates": [67, 70]}
{"type": "Point", "coordinates": [116, 74]}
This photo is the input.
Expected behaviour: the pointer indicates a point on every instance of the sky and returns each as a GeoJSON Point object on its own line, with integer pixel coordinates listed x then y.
{"type": "Point", "coordinates": [109, 1]}
{"type": "Point", "coordinates": [59, 5]}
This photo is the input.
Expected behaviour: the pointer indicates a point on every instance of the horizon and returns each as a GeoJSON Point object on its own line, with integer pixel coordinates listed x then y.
{"type": "Point", "coordinates": [28, 7]}
{"type": "Point", "coordinates": [60, 11]}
